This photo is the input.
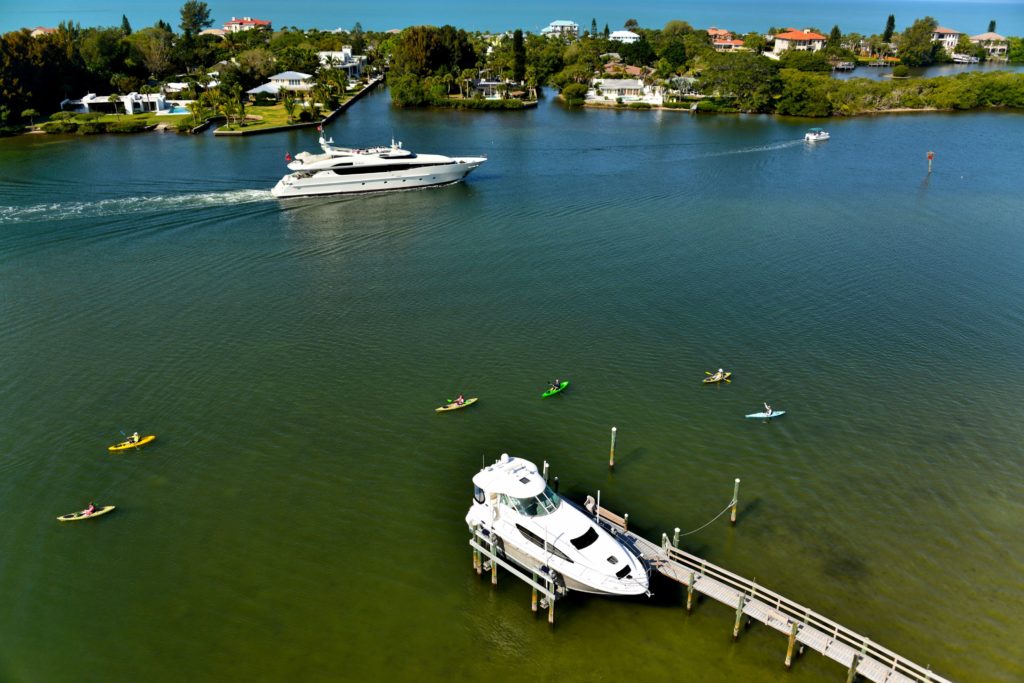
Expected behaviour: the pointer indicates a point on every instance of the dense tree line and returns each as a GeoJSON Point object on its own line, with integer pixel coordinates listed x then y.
{"type": "Point", "coordinates": [36, 74]}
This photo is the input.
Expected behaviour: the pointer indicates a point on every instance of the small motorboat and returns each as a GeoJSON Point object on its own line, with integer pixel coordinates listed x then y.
{"type": "Point", "coordinates": [456, 406]}
{"type": "Point", "coordinates": [816, 135]}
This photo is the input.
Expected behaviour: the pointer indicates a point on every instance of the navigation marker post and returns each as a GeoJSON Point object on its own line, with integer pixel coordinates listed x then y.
{"type": "Point", "coordinates": [931, 155]}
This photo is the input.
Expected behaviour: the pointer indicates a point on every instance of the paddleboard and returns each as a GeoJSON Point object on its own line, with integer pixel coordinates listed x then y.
{"type": "Point", "coordinates": [77, 516]}
{"type": "Point", "coordinates": [452, 406]}
{"type": "Point", "coordinates": [775, 413]}
{"type": "Point", "coordinates": [125, 445]}
{"type": "Point", "coordinates": [552, 392]}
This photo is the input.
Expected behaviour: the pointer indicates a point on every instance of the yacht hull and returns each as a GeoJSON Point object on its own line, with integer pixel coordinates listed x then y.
{"type": "Point", "coordinates": [533, 565]}
{"type": "Point", "coordinates": [327, 182]}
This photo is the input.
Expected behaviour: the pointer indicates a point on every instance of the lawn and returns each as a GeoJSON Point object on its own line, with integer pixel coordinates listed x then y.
{"type": "Point", "coordinates": [270, 116]}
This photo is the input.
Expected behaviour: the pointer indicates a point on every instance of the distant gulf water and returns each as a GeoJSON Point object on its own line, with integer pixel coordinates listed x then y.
{"type": "Point", "coordinates": [862, 16]}
{"type": "Point", "coordinates": [300, 516]}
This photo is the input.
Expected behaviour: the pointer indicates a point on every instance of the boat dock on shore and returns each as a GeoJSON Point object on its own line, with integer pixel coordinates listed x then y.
{"type": "Point", "coordinates": [751, 602]}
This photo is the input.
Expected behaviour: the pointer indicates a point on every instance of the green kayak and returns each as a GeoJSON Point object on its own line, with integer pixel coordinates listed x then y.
{"type": "Point", "coordinates": [552, 391]}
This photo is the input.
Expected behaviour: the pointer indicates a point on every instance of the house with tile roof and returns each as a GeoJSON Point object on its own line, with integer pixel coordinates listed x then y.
{"type": "Point", "coordinates": [793, 39]}
{"type": "Point", "coordinates": [947, 36]}
{"type": "Point", "coordinates": [245, 24]}
{"type": "Point", "coordinates": [727, 44]}
{"type": "Point", "coordinates": [719, 34]}
{"type": "Point", "coordinates": [995, 45]}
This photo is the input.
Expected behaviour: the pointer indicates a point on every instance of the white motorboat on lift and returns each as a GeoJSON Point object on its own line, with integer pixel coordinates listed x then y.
{"type": "Point", "coordinates": [541, 532]}
{"type": "Point", "coordinates": [348, 170]}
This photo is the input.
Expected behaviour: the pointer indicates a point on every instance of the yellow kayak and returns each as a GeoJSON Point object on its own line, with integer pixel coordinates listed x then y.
{"type": "Point", "coordinates": [715, 378]}
{"type": "Point", "coordinates": [77, 516]}
{"type": "Point", "coordinates": [455, 406]}
{"type": "Point", "coordinates": [125, 445]}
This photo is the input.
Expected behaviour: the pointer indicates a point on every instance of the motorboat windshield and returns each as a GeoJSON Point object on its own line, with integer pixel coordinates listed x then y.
{"type": "Point", "coordinates": [536, 506]}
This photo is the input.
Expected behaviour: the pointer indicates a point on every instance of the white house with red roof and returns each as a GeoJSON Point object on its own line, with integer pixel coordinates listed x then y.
{"type": "Point", "coordinates": [719, 34]}
{"type": "Point", "coordinates": [245, 24]}
{"type": "Point", "coordinates": [727, 44]}
{"type": "Point", "coordinates": [793, 39]}
{"type": "Point", "coordinates": [947, 36]}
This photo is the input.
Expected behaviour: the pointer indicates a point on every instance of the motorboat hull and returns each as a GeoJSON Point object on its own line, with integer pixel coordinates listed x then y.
{"type": "Point", "coordinates": [326, 182]}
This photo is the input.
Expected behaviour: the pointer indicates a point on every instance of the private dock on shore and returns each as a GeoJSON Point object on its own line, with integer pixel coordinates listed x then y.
{"type": "Point", "coordinates": [751, 602]}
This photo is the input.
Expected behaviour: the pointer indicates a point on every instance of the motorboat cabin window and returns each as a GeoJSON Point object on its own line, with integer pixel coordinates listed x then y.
{"type": "Point", "coordinates": [478, 494]}
{"type": "Point", "coordinates": [585, 539]}
{"type": "Point", "coordinates": [538, 506]}
{"type": "Point", "coordinates": [623, 573]}
{"type": "Point", "coordinates": [539, 542]}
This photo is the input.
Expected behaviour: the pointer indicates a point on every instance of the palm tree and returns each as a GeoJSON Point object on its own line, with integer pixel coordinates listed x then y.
{"type": "Point", "coordinates": [114, 99]}
{"type": "Point", "coordinates": [288, 100]}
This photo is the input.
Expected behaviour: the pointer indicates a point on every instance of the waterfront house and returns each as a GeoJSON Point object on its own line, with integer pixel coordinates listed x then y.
{"type": "Point", "coordinates": [218, 32]}
{"type": "Point", "coordinates": [245, 24]}
{"type": "Point", "coordinates": [995, 45]}
{"type": "Point", "coordinates": [947, 36]}
{"type": "Point", "coordinates": [286, 80]}
{"type": "Point", "coordinates": [623, 36]}
{"type": "Point", "coordinates": [793, 39]}
{"type": "Point", "coordinates": [132, 103]}
{"type": "Point", "coordinates": [618, 69]}
{"type": "Point", "coordinates": [41, 31]}
{"type": "Point", "coordinates": [343, 60]}
{"type": "Point", "coordinates": [719, 34]}
{"type": "Point", "coordinates": [561, 27]}
{"type": "Point", "coordinates": [624, 90]}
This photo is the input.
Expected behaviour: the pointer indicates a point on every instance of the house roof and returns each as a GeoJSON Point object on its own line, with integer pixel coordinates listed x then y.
{"type": "Point", "coordinates": [988, 36]}
{"type": "Point", "coordinates": [271, 88]}
{"type": "Point", "coordinates": [623, 34]}
{"type": "Point", "coordinates": [619, 83]}
{"type": "Point", "coordinates": [800, 35]}
{"type": "Point", "coordinates": [290, 76]}
{"type": "Point", "coordinates": [718, 32]}
{"type": "Point", "coordinates": [728, 42]}
{"type": "Point", "coordinates": [942, 29]}
{"type": "Point", "coordinates": [247, 21]}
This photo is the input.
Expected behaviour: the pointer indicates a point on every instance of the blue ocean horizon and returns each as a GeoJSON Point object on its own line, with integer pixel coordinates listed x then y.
{"type": "Point", "coordinates": [741, 16]}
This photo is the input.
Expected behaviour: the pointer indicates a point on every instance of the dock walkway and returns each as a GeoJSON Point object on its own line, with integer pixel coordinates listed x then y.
{"type": "Point", "coordinates": [857, 653]}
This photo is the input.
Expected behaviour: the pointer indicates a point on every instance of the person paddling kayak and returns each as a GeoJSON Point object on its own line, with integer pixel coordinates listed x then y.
{"type": "Point", "coordinates": [89, 510]}
{"type": "Point", "coordinates": [557, 384]}
{"type": "Point", "coordinates": [134, 438]}
{"type": "Point", "coordinates": [767, 410]}
{"type": "Point", "coordinates": [459, 400]}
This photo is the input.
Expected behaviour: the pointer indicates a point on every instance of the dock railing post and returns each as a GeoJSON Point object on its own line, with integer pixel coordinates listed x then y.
{"type": "Point", "coordinates": [625, 522]}
{"type": "Point", "coordinates": [675, 538]}
{"type": "Point", "coordinates": [735, 500]}
{"type": "Point", "coordinates": [689, 593]}
{"type": "Point", "coordinates": [739, 618]}
{"type": "Point", "coordinates": [792, 644]}
{"type": "Point", "coordinates": [611, 453]}
{"type": "Point", "coordinates": [664, 542]}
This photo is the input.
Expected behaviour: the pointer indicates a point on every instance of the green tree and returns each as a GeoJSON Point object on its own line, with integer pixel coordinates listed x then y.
{"type": "Point", "coordinates": [676, 27]}
{"type": "Point", "coordinates": [153, 48]}
{"type": "Point", "coordinates": [755, 41]}
{"type": "Point", "coordinates": [518, 56]}
{"type": "Point", "coordinates": [114, 99]}
{"type": "Point", "coordinates": [890, 26]}
{"type": "Point", "coordinates": [916, 46]}
{"type": "Point", "coordinates": [575, 94]}
{"type": "Point", "coordinates": [407, 90]}
{"type": "Point", "coordinates": [803, 94]}
{"type": "Point", "coordinates": [751, 80]}
{"type": "Point", "coordinates": [593, 27]}
{"type": "Point", "coordinates": [31, 115]}
{"type": "Point", "coordinates": [835, 39]}
{"type": "Point", "coordinates": [631, 25]}
{"type": "Point", "coordinates": [1015, 51]}
{"type": "Point", "coordinates": [802, 60]}
{"type": "Point", "coordinates": [195, 16]}
{"type": "Point", "coordinates": [126, 28]}
{"type": "Point", "coordinates": [606, 32]}
{"type": "Point", "coordinates": [992, 26]}
{"type": "Point", "coordinates": [288, 102]}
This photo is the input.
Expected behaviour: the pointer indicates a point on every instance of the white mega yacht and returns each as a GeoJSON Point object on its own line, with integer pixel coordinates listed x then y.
{"type": "Point", "coordinates": [533, 527]}
{"type": "Point", "coordinates": [342, 170]}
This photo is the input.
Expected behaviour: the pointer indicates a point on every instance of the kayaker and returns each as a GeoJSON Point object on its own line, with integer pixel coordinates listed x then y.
{"type": "Point", "coordinates": [89, 510]}
{"type": "Point", "coordinates": [460, 400]}
{"type": "Point", "coordinates": [720, 374]}
{"type": "Point", "coordinates": [134, 438]}
{"type": "Point", "coordinates": [767, 410]}
{"type": "Point", "coordinates": [556, 384]}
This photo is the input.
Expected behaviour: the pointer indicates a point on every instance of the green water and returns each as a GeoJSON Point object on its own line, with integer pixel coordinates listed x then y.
{"type": "Point", "coordinates": [300, 516]}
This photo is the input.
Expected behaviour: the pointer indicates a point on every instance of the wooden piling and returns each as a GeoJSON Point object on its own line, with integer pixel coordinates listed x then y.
{"type": "Point", "coordinates": [533, 598]}
{"type": "Point", "coordinates": [689, 593]}
{"type": "Point", "coordinates": [477, 564]}
{"type": "Point", "coordinates": [625, 522]}
{"type": "Point", "coordinates": [545, 471]}
{"type": "Point", "coordinates": [494, 564]}
{"type": "Point", "coordinates": [792, 644]}
{"type": "Point", "coordinates": [735, 500]}
{"type": "Point", "coordinates": [611, 453]}
{"type": "Point", "coordinates": [739, 617]}
{"type": "Point", "coordinates": [675, 538]}
{"type": "Point", "coordinates": [551, 604]}
{"type": "Point", "coordinates": [851, 675]}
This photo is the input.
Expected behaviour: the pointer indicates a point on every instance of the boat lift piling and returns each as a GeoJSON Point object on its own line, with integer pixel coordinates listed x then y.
{"type": "Point", "coordinates": [611, 453]}
{"type": "Point", "coordinates": [543, 593]}
{"type": "Point", "coordinates": [735, 500]}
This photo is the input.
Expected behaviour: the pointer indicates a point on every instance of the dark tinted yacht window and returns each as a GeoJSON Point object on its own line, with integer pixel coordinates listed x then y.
{"type": "Point", "coordinates": [539, 542]}
{"type": "Point", "coordinates": [585, 539]}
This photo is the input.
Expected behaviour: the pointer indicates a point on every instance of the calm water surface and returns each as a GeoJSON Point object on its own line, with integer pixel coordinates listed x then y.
{"type": "Point", "coordinates": [301, 515]}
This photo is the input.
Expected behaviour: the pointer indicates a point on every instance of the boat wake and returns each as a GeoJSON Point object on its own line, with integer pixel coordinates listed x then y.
{"type": "Point", "coordinates": [120, 206]}
{"type": "Point", "coordinates": [755, 150]}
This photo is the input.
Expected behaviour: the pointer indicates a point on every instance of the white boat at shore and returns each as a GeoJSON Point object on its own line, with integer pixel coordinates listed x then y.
{"type": "Point", "coordinates": [340, 170]}
{"type": "Point", "coordinates": [543, 533]}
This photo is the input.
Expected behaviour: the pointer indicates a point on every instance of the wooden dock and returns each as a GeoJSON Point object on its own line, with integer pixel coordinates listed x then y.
{"type": "Point", "coordinates": [803, 627]}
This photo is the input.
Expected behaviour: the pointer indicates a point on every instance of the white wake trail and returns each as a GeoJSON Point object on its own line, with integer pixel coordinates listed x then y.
{"type": "Point", "coordinates": [129, 205]}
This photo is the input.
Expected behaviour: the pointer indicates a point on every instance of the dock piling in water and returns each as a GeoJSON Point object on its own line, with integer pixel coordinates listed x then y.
{"type": "Point", "coordinates": [689, 594]}
{"type": "Point", "coordinates": [611, 453]}
{"type": "Point", "coordinates": [792, 643]}
{"type": "Point", "coordinates": [545, 470]}
{"type": "Point", "coordinates": [675, 538]}
{"type": "Point", "coordinates": [735, 500]}
{"type": "Point", "coordinates": [739, 617]}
